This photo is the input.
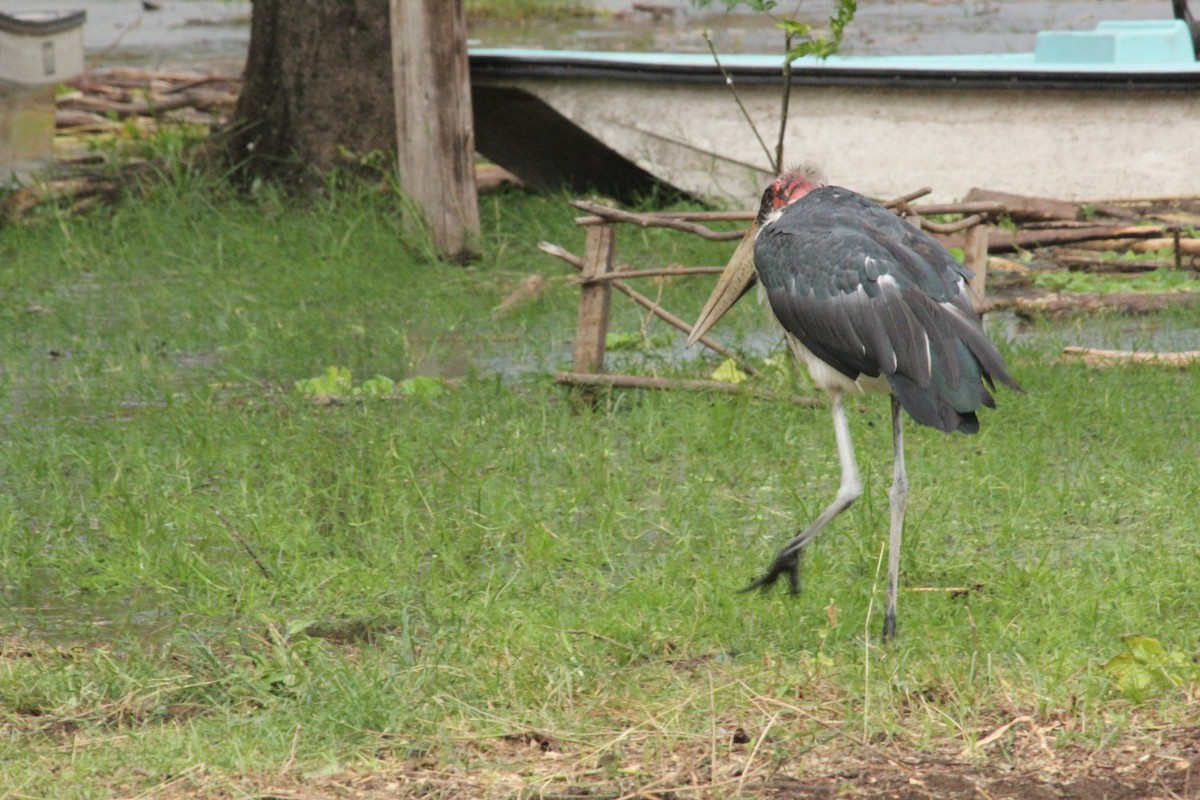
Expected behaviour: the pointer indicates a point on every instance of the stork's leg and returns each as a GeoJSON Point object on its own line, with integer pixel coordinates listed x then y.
{"type": "Point", "coordinates": [787, 560]}
{"type": "Point", "coordinates": [899, 502]}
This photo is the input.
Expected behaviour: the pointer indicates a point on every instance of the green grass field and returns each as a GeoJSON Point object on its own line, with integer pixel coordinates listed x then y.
{"type": "Point", "coordinates": [215, 585]}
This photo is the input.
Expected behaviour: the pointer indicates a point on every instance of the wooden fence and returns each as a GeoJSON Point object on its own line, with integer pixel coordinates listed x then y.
{"type": "Point", "coordinates": [599, 275]}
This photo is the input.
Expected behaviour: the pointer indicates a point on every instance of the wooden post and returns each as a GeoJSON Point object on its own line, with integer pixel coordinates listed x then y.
{"type": "Point", "coordinates": [595, 298]}
{"type": "Point", "coordinates": [435, 136]}
{"type": "Point", "coordinates": [975, 258]}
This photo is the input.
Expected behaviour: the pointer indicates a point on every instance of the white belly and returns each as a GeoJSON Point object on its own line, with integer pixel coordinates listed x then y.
{"type": "Point", "coordinates": [825, 377]}
{"type": "Point", "coordinates": [828, 379]}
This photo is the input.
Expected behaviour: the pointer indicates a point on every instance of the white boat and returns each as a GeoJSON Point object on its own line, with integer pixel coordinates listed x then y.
{"type": "Point", "coordinates": [1107, 114]}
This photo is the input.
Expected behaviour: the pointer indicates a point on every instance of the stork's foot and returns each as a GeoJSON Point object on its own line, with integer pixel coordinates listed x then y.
{"type": "Point", "coordinates": [787, 562]}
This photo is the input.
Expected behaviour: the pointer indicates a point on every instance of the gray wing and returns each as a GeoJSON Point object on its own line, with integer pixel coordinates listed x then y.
{"type": "Point", "coordinates": [869, 294]}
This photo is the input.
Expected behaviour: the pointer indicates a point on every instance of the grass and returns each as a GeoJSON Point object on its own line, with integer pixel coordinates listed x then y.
{"type": "Point", "coordinates": [215, 583]}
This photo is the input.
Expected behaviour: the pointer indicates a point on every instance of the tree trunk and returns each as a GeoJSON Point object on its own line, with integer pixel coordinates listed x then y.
{"type": "Point", "coordinates": [317, 91]}
{"type": "Point", "coordinates": [436, 139]}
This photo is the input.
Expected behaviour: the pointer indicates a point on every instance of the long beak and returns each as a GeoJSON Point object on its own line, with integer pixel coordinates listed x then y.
{"type": "Point", "coordinates": [737, 278]}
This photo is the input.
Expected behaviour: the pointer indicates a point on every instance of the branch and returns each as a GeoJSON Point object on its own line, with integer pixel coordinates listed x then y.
{"type": "Point", "coordinates": [729, 82]}
{"type": "Point", "coordinates": [1101, 358]}
{"type": "Point", "coordinates": [618, 273]}
{"type": "Point", "coordinates": [656, 221]}
{"type": "Point", "coordinates": [651, 306]}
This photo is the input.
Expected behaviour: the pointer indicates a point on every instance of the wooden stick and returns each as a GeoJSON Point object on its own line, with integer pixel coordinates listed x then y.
{"type": "Point", "coordinates": [1091, 261]}
{"type": "Point", "coordinates": [1000, 241]}
{"type": "Point", "coordinates": [647, 382]}
{"type": "Point", "coordinates": [980, 207]}
{"type": "Point", "coordinates": [904, 199]}
{"type": "Point", "coordinates": [649, 305]}
{"type": "Point", "coordinates": [1023, 207]}
{"type": "Point", "coordinates": [950, 227]}
{"type": "Point", "coordinates": [686, 216]}
{"type": "Point", "coordinates": [1066, 303]}
{"type": "Point", "coordinates": [591, 330]}
{"type": "Point", "coordinates": [1188, 247]}
{"type": "Point", "coordinates": [975, 258]}
{"type": "Point", "coordinates": [1100, 358]}
{"type": "Point", "coordinates": [145, 76]}
{"type": "Point", "coordinates": [650, 273]}
{"type": "Point", "coordinates": [601, 214]}
{"type": "Point", "coordinates": [610, 214]}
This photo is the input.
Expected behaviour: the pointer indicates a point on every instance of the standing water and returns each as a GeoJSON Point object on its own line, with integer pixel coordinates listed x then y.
{"type": "Point", "coordinates": [215, 33]}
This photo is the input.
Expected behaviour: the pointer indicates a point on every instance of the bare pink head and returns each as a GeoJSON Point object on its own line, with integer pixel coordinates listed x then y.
{"type": "Point", "coordinates": [787, 189]}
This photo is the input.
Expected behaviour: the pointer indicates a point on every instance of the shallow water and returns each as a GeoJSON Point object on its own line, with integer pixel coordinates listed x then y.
{"type": "Point", "coordinates": [881, 27]}
{"type": "Point", "coordinates": [215, 33]}
{"type": "Point", "coordinates": [38, 611]}
{"type": "Point", "coordinates": [184, 32]}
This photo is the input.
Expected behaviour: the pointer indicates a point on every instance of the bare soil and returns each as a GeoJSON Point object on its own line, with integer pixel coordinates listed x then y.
{"type": "Point", "coordinates": [1020, 764]}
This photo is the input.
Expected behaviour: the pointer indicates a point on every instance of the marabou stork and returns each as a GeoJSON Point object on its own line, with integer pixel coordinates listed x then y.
{"type": "Point", "coordinates": [869, 304]}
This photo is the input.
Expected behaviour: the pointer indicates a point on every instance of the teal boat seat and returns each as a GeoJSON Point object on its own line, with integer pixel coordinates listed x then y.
{"type": "Point", "coordinates": [1123, 42]}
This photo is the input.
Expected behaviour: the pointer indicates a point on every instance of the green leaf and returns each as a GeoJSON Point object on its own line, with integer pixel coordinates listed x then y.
{"type": "Point", "coordinates": [1147, 668]}
{"type": "Point", "coordinates": [1145, 648]}
{"type": "Point", "coordinates": [421, 387]}
{"type": "Point", "coordinates": [335, 382]}
{"type": "Point", "coordinates": [728, 372]}
{"type": "Point", "coordinates": [794, 28]}
{"type": "Point", "coordinates": [379, 386]}
{"type": "Point", "coordinates": [298, 626]}
{"type": "Point", "coordinates": [1131, 676]}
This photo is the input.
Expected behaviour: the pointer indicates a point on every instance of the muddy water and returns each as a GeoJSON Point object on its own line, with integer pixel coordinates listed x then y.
{"type": "Point", "coordinates": [216, 32]}
{"type": "Point", "coordinates": [122, 33]}
{"type": "Point", "coordinates": [881, 27]}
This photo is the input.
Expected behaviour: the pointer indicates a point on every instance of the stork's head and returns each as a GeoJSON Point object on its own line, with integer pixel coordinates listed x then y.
{"type": "Point", "coordinates": [785, 190]}
{"type": "Point", "coordinates": [739, 275]}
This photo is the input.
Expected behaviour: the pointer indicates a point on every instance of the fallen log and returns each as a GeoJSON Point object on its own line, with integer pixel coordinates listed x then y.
{"type": "Point", "coordinates": [1181, 218]}
{"type": "Point", "coordinates": [1022, 207]}
{"type": "Point", "coordinates": [1091, 261]}
{"type": "Point", "coordinates": [1105, 358]}
{"type": "Point", "coordinates": [201, 99]}
{"type": "Point", "coordinates": [82, 121]}
{"type": "Point", "coordinates": [1067, 304]}
{"type": "Point", "coordinates": [1006, 241]}
{"type": "Point", "coordinates": [140, 77]}
{"type": "Point", "coordinates": [1188, 247]}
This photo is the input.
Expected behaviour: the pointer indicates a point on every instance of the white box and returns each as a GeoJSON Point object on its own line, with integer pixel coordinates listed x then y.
{"type": "Point", "coordinates": [39, 47]}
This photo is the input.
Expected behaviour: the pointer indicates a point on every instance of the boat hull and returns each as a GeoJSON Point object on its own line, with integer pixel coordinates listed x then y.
{"type": "Point", "coordinates": [884, 129]}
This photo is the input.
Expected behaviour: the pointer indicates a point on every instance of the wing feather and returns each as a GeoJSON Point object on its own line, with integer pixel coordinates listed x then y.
{"type": "Point", "coordinates": [870, 295]}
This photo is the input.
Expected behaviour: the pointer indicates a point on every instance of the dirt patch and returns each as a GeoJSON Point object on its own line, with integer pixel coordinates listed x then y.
{"type": "Point", "coordinates": [1162, 764]}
